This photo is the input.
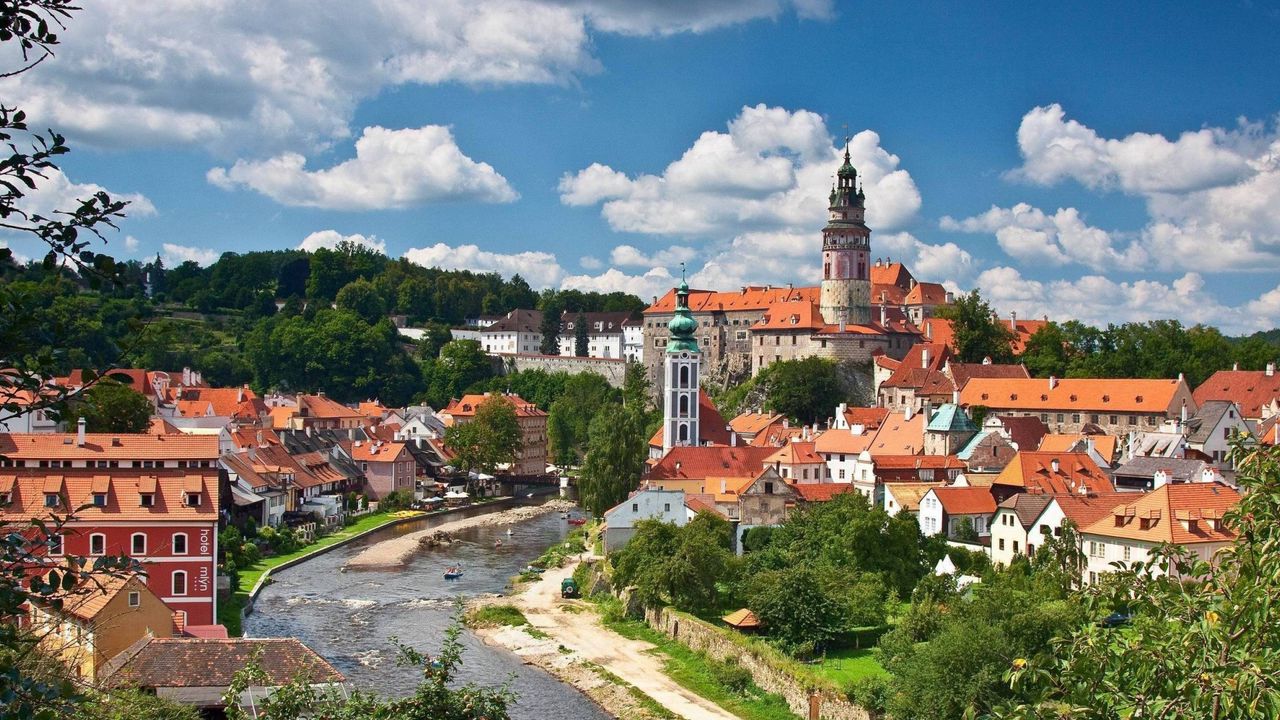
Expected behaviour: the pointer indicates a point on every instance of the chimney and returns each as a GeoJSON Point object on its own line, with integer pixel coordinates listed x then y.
{"type": "Point", "coordinates": [857, 429]}
{"type": "Point", "coordinates": [1183, 423]}
{"type": "Point", "coordinates": [1055, 464]}
{"type": "Point", "coordinates": [924, 357]}
{"type": "Point", "coordinates": [986, 360]}
{"type": "Point", "coordinates": [955, 397]}
{"type": "Point", "coordinates": [259, 437]}
{"type": "Point", "coordinates": [1053, 382]}
{"type": "Point", "coordinates": [907, 412]}
{"type": "Point", "coordinates": [1271, 369]}
{"type": "Point", "coordinates": [733, 439]}
{"type": "Point", "coordinates": [186, 376]}
{"type": "Point", "coordinates": [1013, 320]}
{"type": "Point", "coordinates": [786, 423]}
{"type": "Point", "coordinates": [883, 319]}
{"type": "Point", "coordinates": [928, 330]}
{"type": "Point", "coordinates": [240, 394]}
{"type": "Point", "coordinates": [80, 432]}
{"type": "Point", "coordinates": [1235, 366]}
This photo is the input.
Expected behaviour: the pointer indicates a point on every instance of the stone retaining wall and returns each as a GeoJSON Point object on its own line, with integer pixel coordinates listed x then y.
{"type": "Point", "coordinates": [614, 371]}
{"type": "Point", "coordinates": [701, 636]}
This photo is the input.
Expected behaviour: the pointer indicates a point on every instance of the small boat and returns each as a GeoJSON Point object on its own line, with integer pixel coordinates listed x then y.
{"type": "Point", "coordinates": [509, 532]}
{"type": "Point", "coordinates": [534, 569]}
{"type": "Point", "coordinates": [497, 543]}
{"type": "Point", "coordinates": [577, 521]}
{"type": "Point", "coordinates": [453, 573]}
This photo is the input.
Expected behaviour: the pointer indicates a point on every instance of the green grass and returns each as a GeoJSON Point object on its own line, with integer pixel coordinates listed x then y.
{"type": "Point", "coordinates": [495, 616]}
{"type": "Point", "coordinates": [699, 673]}
{"type": "Point", "coordinates": [848, 664]}
{"type": "Point", "coordinates": [653, 706]}
{"type": "Point", "coordinates": [229, 610]}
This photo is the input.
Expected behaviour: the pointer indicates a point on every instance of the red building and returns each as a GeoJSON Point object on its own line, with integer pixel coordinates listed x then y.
{"type": "Point", "coordinates": [153, 498]}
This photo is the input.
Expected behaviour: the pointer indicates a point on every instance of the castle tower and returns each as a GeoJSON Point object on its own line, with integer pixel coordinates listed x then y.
{"type": "Point", "coordinates": [680, 377]}
{"type": "Point", "coordinates": [846, 250]}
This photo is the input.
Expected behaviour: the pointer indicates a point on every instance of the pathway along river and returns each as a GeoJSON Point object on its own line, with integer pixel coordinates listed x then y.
{"type": "Point", "coordinates": [349, 617]}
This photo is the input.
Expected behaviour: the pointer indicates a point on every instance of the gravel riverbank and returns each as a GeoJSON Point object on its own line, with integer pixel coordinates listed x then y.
{"type": "Point", "coordinates": [395, 551]}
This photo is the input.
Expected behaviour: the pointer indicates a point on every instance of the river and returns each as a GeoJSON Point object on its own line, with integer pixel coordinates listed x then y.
{"type": "Point", "coordinates": [349, 617]}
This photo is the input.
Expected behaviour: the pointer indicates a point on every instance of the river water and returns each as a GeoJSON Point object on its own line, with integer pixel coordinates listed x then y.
{"type": "Point", "coordinates": [349, 617]}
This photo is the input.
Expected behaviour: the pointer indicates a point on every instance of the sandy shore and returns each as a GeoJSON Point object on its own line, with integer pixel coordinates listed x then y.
{"type": "Point", "coordinates": [396, 551]}
{"type": "Point", "coordinates": [575, 647]}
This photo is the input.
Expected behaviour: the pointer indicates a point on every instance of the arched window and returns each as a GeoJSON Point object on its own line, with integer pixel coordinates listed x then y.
{"type": "Point", "coordinates": [683, 434]}
{"type": "Point", "coordinates": [138, 544]}
{"type": "Point", "coordinates": [97, 544]}
{"type": "Point", "coordinates": [684, 405]}
{"type": "Point", "coordinates": [684, 376]}
{"type": "Point", "coordinates": [179, 582]}
{"type": "Point", "coordinates": [179, 543]}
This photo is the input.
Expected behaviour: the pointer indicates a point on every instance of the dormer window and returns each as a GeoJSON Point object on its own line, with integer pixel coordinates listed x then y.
{"type": "Point", "coordinates": [4, 498]}
{"type": "Point", "coordinates": [147, 499]}
{"type": "Point", "coordinates": [192, 499]}
{"type": "Point", "coordinates": [99, 500]}
{"type": "Point", "coordinates": [51, 500]}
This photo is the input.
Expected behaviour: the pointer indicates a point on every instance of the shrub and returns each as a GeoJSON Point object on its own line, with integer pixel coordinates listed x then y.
{"type": "Point", "coordinates": [730, 675]}
{"type": "Point", "coordinates": [396, 500]}
{"type": "Point", "coordinates": [870, 691]}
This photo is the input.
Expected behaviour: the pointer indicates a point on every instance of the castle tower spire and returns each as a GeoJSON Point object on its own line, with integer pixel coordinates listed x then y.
{"type": "Point", "coordinates": [845, 296]}
{"type": "Point", "coordinates": [683, 361]}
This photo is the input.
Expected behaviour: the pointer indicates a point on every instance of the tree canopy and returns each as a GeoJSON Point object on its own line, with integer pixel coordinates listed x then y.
{"type": "Point", "coordinates": [113, 407]}
{"type": "Point", "coordinates": [490, 439]}
{"type": "Point", "coordinates": [977, 332]}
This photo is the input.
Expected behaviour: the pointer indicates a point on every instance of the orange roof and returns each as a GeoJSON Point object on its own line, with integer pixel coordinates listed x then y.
{"type": "Point", "coordinates": [123, 497]}
{"type": "Point", "coordinates": [135, 378]}
{"type": "Point", "coordinates": [753, 423]}
{"type": "Point", "coordinates": [821, 492]}
{"type": "Point", "coordinates": [1269, 431]}
{"type": "Point", "coordinates": [92, 594]}
{"type": "Point", "coordinates": [938, 330]}
{"type": "Point", "coordinates": [843, 441]}
{"type": "Point", "coordinates": [319, 406]}
{"type": "Point", "coordinates": [1023, 330]}
{"type": "Point", "coordinates": [965, 500]}
{"type": "Point", "coordinates": [225, 402]}
{"type": "Point", "coordinates": [1250, 389]}
{"type": "Point", "coordinates": [1084, 510]}
{"type": "Point", "coordinates": [938, 355]}
{"type": "Point", "coordinates": [743, 618]}
{"type": "Point", "coordinates": [1035, 471]}
{"type": "Point", "coordinates": [280, 416]}
{"type": "Point", "coordinates": [1086, 395]}
{"type": "Point", "coordinates": [748, 298]}
{"type": "Point", "coordinates": [1104, 444]}
{"type": "Point", "coordinates": [890, 273]}
{"type": "Point", "coordinates": [106, 446]}
{"type": "Point", "coordinates": [908, 494]}
{"type": "Point", "coordinates": [726, 488]}
{"type": "Point", "coordinates": [701, 502]}
{"type": "Point", "coordinates": [899, 435]}
{"type": "Point", "coordinates": [794, 453]}
{"type": "Point", "coordinates": [887, 362]}
{"type": "Point", "coordinates": [921, 462]}
{"type": "Point", "coordinates": [372, 409]}
{"type": "Point", "coordinates": [376, 451]}
{"type": "Point", "coordinates": [869, 418]}
{"type": "Point", "coordinates": [710, 461]}
{"type": "Point", "coordinates": [927, 294]}
{"type": "Point", "coordinates": [711, 424]}
{"type": "Point", "coordinates": [160, 426]}
{"type": "Point", "coordinates": [794, 315]}
{"type": "Point", "coordinates": [466, 405]}
{"type": "Point", "coordinates": [1181, 513]}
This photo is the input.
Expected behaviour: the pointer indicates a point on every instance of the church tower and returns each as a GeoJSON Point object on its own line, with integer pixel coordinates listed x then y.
{"type": "Point", "coordinates": [846, 250]}
{"type": "Point", "coordinates": [680, 388]}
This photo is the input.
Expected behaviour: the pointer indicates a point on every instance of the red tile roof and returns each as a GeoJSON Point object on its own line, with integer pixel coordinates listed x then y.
{"type": "Point", "coordinates": [1085, 395]}
{"type": "Point", "coordinates": [938, 330]}
{"type": "Point", "coordinates": [927, 293]}
{"type": "Point", "coordinates": [1084, 510]}
{"type": "Point", "coordinates": [200, 662]}
{"type": "Point", "coordinates": [1250, 389]}
{"type": "Point", "coordinates": [715, 461]}
{"type": "Point", "coordinates": [226, 402]}
{"type": "Point", "coordinates": [1035, 472]}
{"type": "Point", "coordinates": [319, 406]}
{"type": "Point", "coordinates": [920, 462]}
{"type": "Point", "coordinates": [752, 423]}
{"type": "Point", "coordinates": [794, 315]}
{"type": "Point", "coordinates": [125, 488]}
{"type": "Point", "coordinates": [1182, 513]}
{"type": "Point", "coordinates": [962, 372]}
{"type": "Point", "coordinates": [869, 418]}
{"type": "Point", "coordinates": [795, 453]}
{"type": "Point", "coordinates": [748, 298]}
{"type": "Point", "coordinates": [966, 500]}
{"type": "Point", "coordinates": [108, 446]}
{"type": "Point", "coordinates": [376, 451]}
{"type": "Point", "coordinates": [466, 405]}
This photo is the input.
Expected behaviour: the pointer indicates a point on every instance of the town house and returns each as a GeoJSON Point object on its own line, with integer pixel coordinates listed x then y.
{"type": "Point", "coordinates": [1116, 407]}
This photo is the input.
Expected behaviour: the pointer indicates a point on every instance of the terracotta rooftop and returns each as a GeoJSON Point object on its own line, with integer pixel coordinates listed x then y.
{"type": "Point", "coordinates": [748, 298]}
{"type": "Point", "coordinates": [869, 418]}
{"type": "Point", "coordinates": [93, 594]}
{"type": "Point", "coordinates": [843, 442]}
{"type": "Point", "coordinates": [1084, 395]}
{"type": "Point", "coordinates": [466, 405]}
{"type": "Point", "coordinates": [711, 424]}
{"type": "Point", "coordinates": [752, 423]}
{"type": "Point", "coordinates": [793, 315]}
{"type": "Point", "coordinates": [1036, 472]}
{"type": "Point", "coordinates": [1182, 514]}
{"type": "Point", "coordinates": [899, 435]}
{"type": "Point", "coordinates": [927, 293]}
{"type": "Point", "coordinates": [319, 406]}
{"type": "Point", "coordinates": [107, 446]}
{"type": "Point", "coordinates": [124, 489]}
{"type": "Point", "coordinates": [794, 453]}
{"type": "Point", "coordinates": [907, 495]}
{"type": "Point", "coordinates": [200, 662]}
{"type": "Point", "coordinates": [938, 330]}
{"type": "Point", "coordinates": [225, 402]}
{"type": "Point", "coordinates": [363, 451]}
{"type": "Point", "coordinates": [1084, 510]}
{"type": "Point", "coordinates": [1105, 445]}
{"type": "Point", "coordinates": [713, 461]}
{"type": "Point", "coordinates": [1250, 389]}
{"type": "Point", "coordinates": [963, 372]}
{"type": "Point", "coordinates": [965, 500]}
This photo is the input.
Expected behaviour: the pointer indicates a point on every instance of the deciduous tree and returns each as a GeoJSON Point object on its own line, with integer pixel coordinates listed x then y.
{"type": "Point", "coordinates": [113, 407]}
{"type": "Point", "coordinates": [490, 439]}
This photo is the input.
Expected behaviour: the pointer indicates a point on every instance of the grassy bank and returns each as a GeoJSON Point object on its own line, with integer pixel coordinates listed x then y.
{"type": "Point", "coordinates": [848, 664]}
{"type": "Point", "coordinates": [229, 610]}
{"type": "Point", "coordinates": [725, 684]}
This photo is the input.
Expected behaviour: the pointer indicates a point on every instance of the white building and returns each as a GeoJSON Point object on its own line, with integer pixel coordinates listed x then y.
{"type": "Point", "coordinates": [519, 332]}
{"type": "Point", "coordinates": [1212, 428]}
{"type": "Point", "coordinates": [944, 510]}
{"type": "Point", "coordinates": [1189, 515]}
{"type": "Point", "coordinates": [680, 392]}
{"type": "Point", "coordinates": [606, 333]}
{"type": "Point", "coordinates": [648, 503]}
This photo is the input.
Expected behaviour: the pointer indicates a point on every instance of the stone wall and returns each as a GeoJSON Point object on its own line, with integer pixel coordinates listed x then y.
{"type": "Point", "coordinates": [701, 636]}
{"type": "Point", "coordinates": [612, 369]}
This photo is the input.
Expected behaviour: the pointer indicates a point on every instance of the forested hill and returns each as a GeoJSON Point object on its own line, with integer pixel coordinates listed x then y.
{"type": "Point", "coordinates": [332, 333]}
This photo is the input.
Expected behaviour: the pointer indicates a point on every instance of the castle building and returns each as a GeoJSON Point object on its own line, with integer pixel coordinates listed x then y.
{"type": "Point", "coordinates": [860, 309]}
{"type": "Point", "coordinates": [680, 387]}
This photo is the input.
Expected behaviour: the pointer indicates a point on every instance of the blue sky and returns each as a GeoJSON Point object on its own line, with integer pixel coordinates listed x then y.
{"type": "Point", "coordinates": [1102, 161]}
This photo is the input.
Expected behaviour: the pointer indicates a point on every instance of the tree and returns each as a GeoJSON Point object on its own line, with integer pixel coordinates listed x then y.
{"type": "Point", "coordinates": [492, 438]}
{"type": "Point", "coordinates": [581, 338]}
{"type": "Point", "coordinates": [682, 566]}
{"type": "Point", "coordinates": [460, 366]}
{"type": "Point", "coordinates": [977, 331]}
{"type": "Point", "coordinates": [1203, 641]}
{"type": "Point", "coordinates": [804, 390]}
{"type": "Point", "coordinates": [552, 309]}
{"type": "Point", "coordinates": [1045, 353]}
{"type": "Point", "coordinates": [569, 420]}
{"type": "Point", "coordinates": [801, 607]}
{"type": "Point", "coordinates": [616, 451]}
{"type": "Point", "coordinates": [113, 407]}
{"type": "Point", "coordinates": [362, 298]}
{"type": "Point", "coordinates": [434, 338]}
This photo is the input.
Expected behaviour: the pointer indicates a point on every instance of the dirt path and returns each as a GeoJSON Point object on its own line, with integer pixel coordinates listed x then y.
{"type": "Point", "coordinates": [396, 551]}
{"type": "Point", "coordinates": [630, 660]}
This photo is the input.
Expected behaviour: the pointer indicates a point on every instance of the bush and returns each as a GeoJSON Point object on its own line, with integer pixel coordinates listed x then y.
{"type": "Point", "coordinates": [495, 616]}
{"type": "Point", "coordinates": [396, 500]}
{"type": "Point", "coordinates": [730, 675]}
{"type": "Point", "coordinates": [870, 691]}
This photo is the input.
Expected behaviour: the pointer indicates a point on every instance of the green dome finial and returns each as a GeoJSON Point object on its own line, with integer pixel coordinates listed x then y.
{"type": "Point", "coordinates": [682, 326]}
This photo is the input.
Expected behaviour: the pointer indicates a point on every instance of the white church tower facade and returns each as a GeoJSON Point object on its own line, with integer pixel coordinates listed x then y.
{"type": "Point", "coordinates": [683, 361]}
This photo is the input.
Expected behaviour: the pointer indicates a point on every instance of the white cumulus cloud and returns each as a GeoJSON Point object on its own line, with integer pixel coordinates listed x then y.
{"type": "Point", "coordinates": [392, 169]}
{"type": "Point", "coordinates": [630, 256]}
{"type": "Point", "coordinates": [1032, 236]}
{"type": "Point", "coordinates": [540, 269]}
{"type": "Point", "coordinates": [330, 239]}
{"type": "Point", "coordinates": [174, 255]}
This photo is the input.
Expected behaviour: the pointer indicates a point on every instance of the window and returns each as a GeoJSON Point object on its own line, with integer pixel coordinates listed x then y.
{"type": "Point", "coordinates": [100, 500]}
{"type": "Point", "coordinates": [180, 544]}
{"type": "Point", "coordinates": [97, 544]}
{"type": "Point", "coordinates": [1093, 419]}
{"type": "Point", "coordinates": [135, 598]}
{"type": "Point", "coordinates": [1015, 546]}
{"type": "Point", "coordinates": [55, 544]}
{"type": "Point", "coordinates": [1128, 551]}
{"type": "Point", "coordinates": [1114, 420]}
{"type": "Point", "coordinates": [1075, 418]}
{"type": "Point", "coordinates": [1060, 417]}
{"type": "Point", "coordinates": [1093, 577]}
{"type": "Point", "coordinates": [666, 507]}
{"type": "Point", "coordinates": [1002, 543]}
{"type": "Point", "coordinates": [147, 499]}
{"type": "Point", "coordinates": [1133, 419]}
{"type": "Point", "coordinates": [179, 582]}
{"type": "Point", "coordinates": [4, 498]}
{"type": "Point", "coordinates": [1226, 433]}
{"type": "Point", "coordinates": [793, 339]}
{"type": "Point", "coordinates": [635, 507]}
{"type": "Point", "coordinates": [51, 500]}
{"type": "Point", "coordinates": [768, 488]}
{"type": "Point", "coordinates": [193, 499]}
{"type": "Point", "coordinates": [1044, 417]}
{"type": "Point", "coordinates": [138, 544]}
{"type": "Point", "coordinates": [841, 473]}
{"type": "Point", "coordinates": [1097, 550]}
